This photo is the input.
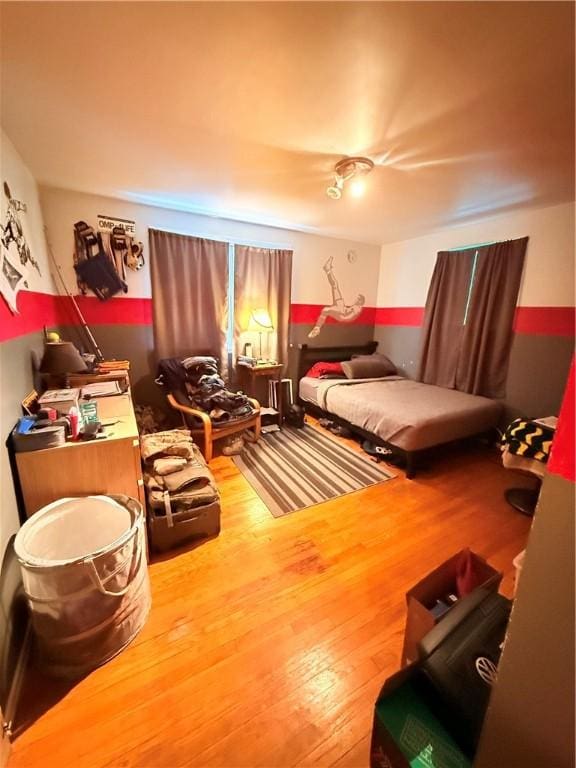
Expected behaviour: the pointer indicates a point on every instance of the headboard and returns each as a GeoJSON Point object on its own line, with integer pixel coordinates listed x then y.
{"type": "Point", "coordinates": [307, 356]}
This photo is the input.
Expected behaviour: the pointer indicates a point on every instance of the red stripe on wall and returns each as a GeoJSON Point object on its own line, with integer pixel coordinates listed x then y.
{"type": "Point", "coordinates": [400, 316]}
{"type": "Point", "coordinates": [547, 321]}
{"type": "Point", "coordinates": [307, 314]}
{"type": "Point", "coordinates": [39, 309]}
{"type": "Point", "coordinates": [119, 310]}
{"type": "Point", "coordinates": [35, 310]}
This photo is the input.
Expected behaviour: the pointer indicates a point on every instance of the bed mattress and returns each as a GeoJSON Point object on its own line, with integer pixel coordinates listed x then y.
{"type": "Point", "coordinates": [308, 389]}
{"type": "Point", "coordinates": [405, 413]}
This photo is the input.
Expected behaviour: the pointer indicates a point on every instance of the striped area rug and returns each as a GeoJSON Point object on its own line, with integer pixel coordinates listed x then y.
{"type": "Point", "coordinates": [297, 468]}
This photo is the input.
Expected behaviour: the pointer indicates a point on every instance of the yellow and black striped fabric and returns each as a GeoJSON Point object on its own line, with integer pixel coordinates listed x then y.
{"type": "Point", "coordinates": [528, 439]}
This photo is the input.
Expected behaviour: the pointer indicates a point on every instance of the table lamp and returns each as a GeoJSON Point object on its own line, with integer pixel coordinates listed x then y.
{"type": "Point", "coordinates": [61, 358]}
{"type": "Point", "coordinates": [261, 322]}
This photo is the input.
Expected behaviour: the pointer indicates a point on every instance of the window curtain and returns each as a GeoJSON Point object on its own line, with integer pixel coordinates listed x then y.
{"type": "Point", "coordinates": [262, 280]}
{"type": "Point", "coordinates": [189, 295]}
{"type": "Point", "coordinates": [443, 317]}
{"type": "Point", "coordinates": [472, 356]}
{"type": "Point", "coordinates": [487, 338]}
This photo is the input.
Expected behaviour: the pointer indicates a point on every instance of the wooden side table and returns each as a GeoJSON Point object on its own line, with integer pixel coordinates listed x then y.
{"type": "Point", "coordinates": [249, 375]}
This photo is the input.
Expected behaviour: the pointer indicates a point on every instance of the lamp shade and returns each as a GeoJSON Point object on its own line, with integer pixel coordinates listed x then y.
{"type": "Point", "coordinates": [260, 321]}
{"type": "Point", "coordinates": [61, 357]}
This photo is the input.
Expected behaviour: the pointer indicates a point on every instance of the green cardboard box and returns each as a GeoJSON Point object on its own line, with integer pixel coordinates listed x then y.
{"type": "Point", "coordinates": [406, 734]}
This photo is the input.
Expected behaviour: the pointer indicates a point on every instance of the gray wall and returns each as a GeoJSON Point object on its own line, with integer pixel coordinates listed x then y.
{"type": "Point", "coordinates": [125, 342]}
{"type": "Point", "coordinates": [530, 721]}
{"type": "Point", "coordinates": [136, 344]}
{"type": "Point", "coordinates": [402, 345]}
{"type": "Point", "coordinates": [333, 334]}
{"type": "Point", "coordinates": [537, 374]}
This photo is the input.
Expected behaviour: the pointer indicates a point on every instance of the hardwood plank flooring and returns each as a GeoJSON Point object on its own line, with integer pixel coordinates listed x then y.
{"type": "Point", "coordinates": [267, 646]}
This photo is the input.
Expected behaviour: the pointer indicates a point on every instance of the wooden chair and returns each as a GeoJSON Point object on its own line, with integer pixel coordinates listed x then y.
{"type": "Point", "coordinates": [210, 431]}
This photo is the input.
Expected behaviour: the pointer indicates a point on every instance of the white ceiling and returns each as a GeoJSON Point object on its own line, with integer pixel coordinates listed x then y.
{"type": "Point", "coordinates": [242, 109]}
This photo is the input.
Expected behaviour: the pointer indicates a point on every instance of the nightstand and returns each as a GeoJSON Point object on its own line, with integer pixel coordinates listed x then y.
{"type": "Point", "coordinates": [250, 375]}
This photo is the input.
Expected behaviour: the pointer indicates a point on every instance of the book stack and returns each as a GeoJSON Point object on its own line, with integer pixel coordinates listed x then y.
{"type": "Point", "coordinates": [107, 366]}
{"type": "Point", "coordinates": [25, 437]}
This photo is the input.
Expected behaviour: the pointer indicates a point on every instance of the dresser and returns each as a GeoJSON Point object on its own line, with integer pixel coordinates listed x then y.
{"type": "Point", "coordinates": [106, 465]}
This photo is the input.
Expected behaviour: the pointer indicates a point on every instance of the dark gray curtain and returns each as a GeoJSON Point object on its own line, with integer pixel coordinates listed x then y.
{"type": "Point", "coordinates": [445, 306]}
{"type": "Point", "coordinates": [189, 294]}
{"type": "Point", "coordinates": [472, 356]}
{"type": "Point", "coordinates": [263, 280]}
{"type": "Point", "coordinates": [487, 338]}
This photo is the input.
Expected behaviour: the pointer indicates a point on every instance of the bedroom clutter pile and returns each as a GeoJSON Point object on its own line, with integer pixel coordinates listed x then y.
{"type": "Point", "coordinates": [183, 500]}
{"type": "Point", "coordinates": [207, 391]}
{"type": "Point", "coordinates": [196, 382]}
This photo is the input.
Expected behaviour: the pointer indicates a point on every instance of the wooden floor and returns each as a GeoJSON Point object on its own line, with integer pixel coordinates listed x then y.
{"type": "Point", "coordinates": [267, 646]}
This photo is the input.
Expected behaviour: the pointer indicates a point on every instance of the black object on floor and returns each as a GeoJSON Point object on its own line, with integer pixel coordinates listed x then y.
{"type": "Point", "coordinates": [523, 499]}
{"type": "Point", "coordinates": [378, 451]}
{"type": "Point", "coordinates": [459, 659]}
{"type": "Point", "coordinates": [340, 431]}
{"type": "Point", "coordinates": [295, 416]}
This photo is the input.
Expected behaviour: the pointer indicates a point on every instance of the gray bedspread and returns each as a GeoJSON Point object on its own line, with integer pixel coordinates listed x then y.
{"type": "Point", "coordinates": [407, 413]}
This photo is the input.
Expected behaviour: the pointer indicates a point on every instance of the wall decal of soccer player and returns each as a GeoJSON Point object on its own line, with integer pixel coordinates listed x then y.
{"type": "Point", "coordinates": [343, 313]}
{"type": "Point", "coordinates": [14, 251]}
{"type": "Point", "coordinates": [12, 232]}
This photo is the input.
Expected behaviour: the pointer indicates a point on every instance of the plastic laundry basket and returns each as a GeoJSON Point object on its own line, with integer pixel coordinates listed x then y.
{"type": "Point", "coordinates": [85, 575]}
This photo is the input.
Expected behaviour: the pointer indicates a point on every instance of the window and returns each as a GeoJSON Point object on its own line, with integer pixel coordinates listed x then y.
{"type": "Point", "coordinates": [472, 273]}
{"type": "Point", "coordinates": [201, 288]}
{"type": "Point", "coordinates": [468, 323]}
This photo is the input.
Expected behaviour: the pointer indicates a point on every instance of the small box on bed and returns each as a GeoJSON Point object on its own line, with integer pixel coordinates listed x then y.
{"type": "Point", "coordinates": [422, 598]}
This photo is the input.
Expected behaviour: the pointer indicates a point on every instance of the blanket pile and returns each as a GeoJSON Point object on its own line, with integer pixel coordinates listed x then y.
{"type": "Point", "coordinates": [175, 473]}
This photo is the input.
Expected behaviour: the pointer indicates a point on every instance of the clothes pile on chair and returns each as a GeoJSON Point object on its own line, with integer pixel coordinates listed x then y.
{"type": "Point", "coordinates": [195, 381]}
{"type": "Point", "coordinates": [183, 500]}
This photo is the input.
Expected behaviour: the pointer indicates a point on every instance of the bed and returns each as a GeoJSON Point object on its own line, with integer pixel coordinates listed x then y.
{"type": "Point", "coordinates": [404, 416]}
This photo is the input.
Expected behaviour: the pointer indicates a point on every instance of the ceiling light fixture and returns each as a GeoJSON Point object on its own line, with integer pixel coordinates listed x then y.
{"type": "Point", "coordinates": [357, 187]}
{"type": "Point", "coordinates": [347, 169]}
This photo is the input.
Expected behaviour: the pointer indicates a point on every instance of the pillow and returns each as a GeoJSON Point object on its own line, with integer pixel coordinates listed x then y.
{"type": "Point", "coordinates": [326, 370]}
{"type": "Point", "coordinates": [368, 367]}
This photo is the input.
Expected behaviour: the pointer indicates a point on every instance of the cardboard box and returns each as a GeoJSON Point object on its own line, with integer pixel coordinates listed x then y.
{"type": "Point", "coordinates": [198, 523]}
{"type": "Point", "coordinates": [62, 400]}
{"type": "Point", "coordinates": [405, 731]}
{"type": "Point", "coordinates": [421, 598]}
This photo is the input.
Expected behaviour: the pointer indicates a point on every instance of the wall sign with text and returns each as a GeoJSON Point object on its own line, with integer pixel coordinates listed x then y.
{"type": "Point", "coordinates": [107, 224]}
